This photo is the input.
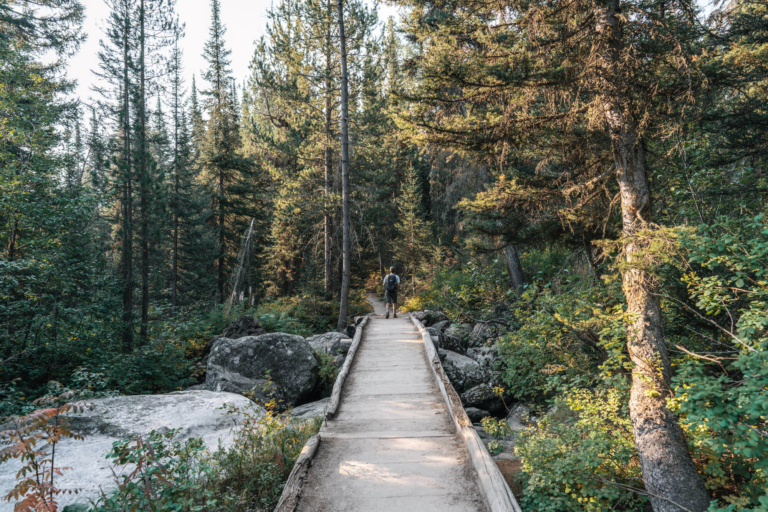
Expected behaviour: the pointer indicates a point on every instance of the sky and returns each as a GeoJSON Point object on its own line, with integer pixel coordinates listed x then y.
{"type": "Point", "coordinates": [245, 21]}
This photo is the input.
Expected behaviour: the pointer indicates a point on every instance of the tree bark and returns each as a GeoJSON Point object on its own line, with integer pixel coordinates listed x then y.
{"type": "Point", "coordinates": [516, 275]}
{"type": "Point", "coordinates": [669, 473]}
{"type": "Point", "coordinates": [343, 311]}
{"type": "Point", "coordinates": [143, 179]}
{"type": "Point", "coordinates": [127, 206]}
{"type": "Point", "coordinates": [328, 274]}
{"type": "Point", "coordinates": [176, 171]}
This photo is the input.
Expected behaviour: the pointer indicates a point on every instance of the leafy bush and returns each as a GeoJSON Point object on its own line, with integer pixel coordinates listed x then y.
{"type": "Point", "coordinates": [172, 475]}
{"type": "Point", "coordinates": [588, 462]}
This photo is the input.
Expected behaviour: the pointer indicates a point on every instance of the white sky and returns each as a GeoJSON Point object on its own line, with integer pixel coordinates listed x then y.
{"type": "Point", "coordinates": [245, 21]}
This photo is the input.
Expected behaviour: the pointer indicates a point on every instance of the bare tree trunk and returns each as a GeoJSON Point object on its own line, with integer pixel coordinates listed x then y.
{"type": "Point", "coordinates": [328, 169]}
{"type": "Point", "coordinates": [669, 473]}
{"type": "Point", "coordinates": [127, 231]}
{"type": "Point", "coordinates": [143, 180]}
{"type": "Point", "coordinates": [222, 240]}
{"type": "Point", "coordinates": [344, 173]}
{"type": "Point", "coordinates": [515, 269]}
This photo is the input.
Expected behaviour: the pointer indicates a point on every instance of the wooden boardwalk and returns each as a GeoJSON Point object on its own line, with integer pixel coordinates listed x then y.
{"type": "Point", "coordinates": [392, 445]}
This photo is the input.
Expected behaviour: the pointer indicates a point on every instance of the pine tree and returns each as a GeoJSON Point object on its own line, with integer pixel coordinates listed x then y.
{"type": "Point", "coordinates": [413, 243]}
{"type": "Point", "coordinates": [224, 167]}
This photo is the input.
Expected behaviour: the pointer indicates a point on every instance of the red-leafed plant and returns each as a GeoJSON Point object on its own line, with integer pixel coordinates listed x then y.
{"type": "Point", "coordinates": [26, 438]}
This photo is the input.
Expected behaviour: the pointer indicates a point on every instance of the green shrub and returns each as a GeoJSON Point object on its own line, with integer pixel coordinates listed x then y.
{"type": "Point", "coordinates": [586, 462]}
{"type": "Point", "coordinates": [183, 476]}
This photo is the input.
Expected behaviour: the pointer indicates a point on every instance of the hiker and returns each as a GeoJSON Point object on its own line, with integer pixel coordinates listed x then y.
{"type": "Point", "coordinates": [391, 284]}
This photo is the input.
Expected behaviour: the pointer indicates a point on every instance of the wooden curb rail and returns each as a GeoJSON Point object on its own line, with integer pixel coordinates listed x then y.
{"type": "Point", "coordinates": [289, 499]}
{"type": "Point", "coordinates": [497, 492]}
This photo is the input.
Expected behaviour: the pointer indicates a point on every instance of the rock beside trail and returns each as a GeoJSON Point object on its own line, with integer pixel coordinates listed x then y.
{"type": "Point", "coordinates": [441, 326]}
{"type": "Point", "coordinates": [482, 397]}
{"type": "Point", "coordinates": [194, 413]}
{"type": "Point", "coordinates": [243, 365]}
{"type": "Point", "coordinates": [476, 415]}
{"type": "Point", "coordinates": [455, 339]}
{"type": "Point", "coordinates": [331, 343]}
{"type": "Point", "coordinates": [311, 410]}
{"type": "Point", "coordinates": [463, 372]}
{"type": "Point", "coordinates": [430, 318]}
{"type": "Point", "coordinates": [485, 356]}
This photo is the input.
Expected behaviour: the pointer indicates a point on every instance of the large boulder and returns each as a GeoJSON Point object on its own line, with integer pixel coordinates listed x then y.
{"type": "Point", "coordinates": [276, 365]}
{"type": "Point", "coordinates": [482, 397]}
{"type": "Point", "coordinates": [194, 413]}
{"type": "Point", "coordinates": [247, 325]}
{"type": "Point", "coordinates": [462, 371]}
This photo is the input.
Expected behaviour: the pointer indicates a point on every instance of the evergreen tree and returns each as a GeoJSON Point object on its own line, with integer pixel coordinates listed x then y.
{"type": "Point", "coordinates": [225, 169]}
{"type": "Point", "coordinates": [413, 243]}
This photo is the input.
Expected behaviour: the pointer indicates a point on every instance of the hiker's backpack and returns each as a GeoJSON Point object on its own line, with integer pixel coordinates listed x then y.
{"type": "Point", "coordinates": [391, 283]}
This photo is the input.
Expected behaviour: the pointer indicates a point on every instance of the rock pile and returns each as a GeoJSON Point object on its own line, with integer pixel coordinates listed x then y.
{"type": "Point", "coordinates": [470, 359]}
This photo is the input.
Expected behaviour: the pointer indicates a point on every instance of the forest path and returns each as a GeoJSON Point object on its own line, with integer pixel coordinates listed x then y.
{"type": "Point", "coordinates": [392, 445]}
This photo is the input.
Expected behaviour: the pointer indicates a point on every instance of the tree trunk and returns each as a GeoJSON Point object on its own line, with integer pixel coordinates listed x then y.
{"type": "Point", "coordinates": [143, 180]}
{"type": "Point", "coordinates": [222, 240]}
{"type": "Point", "coordinates": [670, 475]}
{"type": "Point", "coordinates": [344, 173]}
{"type": "Point", "coordinates": [328, 169]}
{"type": "Point", "coordinates": [177, 170]}
{"type": "Point", "coordinates": [515, 269]}
{"type": "Point", "coordinates": [127, 231]}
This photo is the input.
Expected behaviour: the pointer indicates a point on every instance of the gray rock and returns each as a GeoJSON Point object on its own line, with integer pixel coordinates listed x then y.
{"type": "Point", "coordinates": [482, 397]}
{"type": "Point", "coordinates": [485, 356]}
{"type": "Point", "coordinates": [330, 343]}
{"type": "Point", "coordinates": [483, 332]}
{"type": "Point", "coordinates": [311, 410]}
{"type": "Point", "coordinates": [247, 325]}
{"type": "Point", "coordinates": [196, 387]}
{"type": "Point", "coordinates": [433, 332]}
{"type": "Point", "coordinates": [441, 326]}
{"type": "Point", "coordinates": [242, 366]}
{"type": "Point", "coordinates": [463, 372]}
{"type": "Point", "coordinates": [455, 339]}
{"type": "Point", "coordinates": [194, 413]}
{"type": "Point", "coordinates": [430, 318]}
{"type": "Point", "coordinates": [520, 418]}
{"type": "Point", "coordinates": [476, 415]}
